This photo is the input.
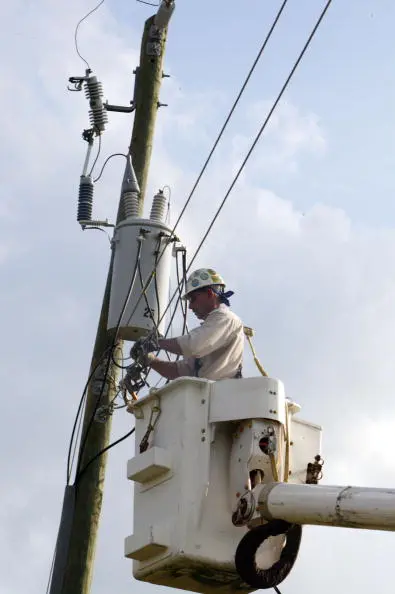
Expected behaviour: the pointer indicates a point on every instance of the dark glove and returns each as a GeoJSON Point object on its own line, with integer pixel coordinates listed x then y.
{"type": "Point", "coordinates": [142, 348]}
{"type": "Point", "coordinates": [151, 343]}
{"type": "Point", "coordinates": [137, 350]}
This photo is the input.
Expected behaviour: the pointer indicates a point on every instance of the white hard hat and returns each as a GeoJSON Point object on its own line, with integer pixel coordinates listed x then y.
{"type": "Point", "coordinates": [203, 277]}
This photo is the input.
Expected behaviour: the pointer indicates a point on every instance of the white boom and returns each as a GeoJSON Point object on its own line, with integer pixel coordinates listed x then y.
{"type": "Point", "coordinates": [325, 505]}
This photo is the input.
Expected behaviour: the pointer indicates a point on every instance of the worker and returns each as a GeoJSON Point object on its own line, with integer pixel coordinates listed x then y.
{"type": "Point", "coordinates": [214, 350]}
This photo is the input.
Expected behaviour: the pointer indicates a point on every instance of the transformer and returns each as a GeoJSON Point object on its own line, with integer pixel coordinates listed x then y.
{"type": "Point", "coordinates": [140, 278]}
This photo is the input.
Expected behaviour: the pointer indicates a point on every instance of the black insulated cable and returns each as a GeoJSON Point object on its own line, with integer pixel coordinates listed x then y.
{"type": "Point", "coordinates": [113, 346]}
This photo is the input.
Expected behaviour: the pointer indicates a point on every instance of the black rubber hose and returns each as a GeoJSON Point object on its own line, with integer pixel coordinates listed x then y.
{"type": "Point", "coordinates": [246, 551]}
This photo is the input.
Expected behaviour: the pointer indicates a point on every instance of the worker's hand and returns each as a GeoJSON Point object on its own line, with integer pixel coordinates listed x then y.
{"type": "Point", "coordinates": [141, 352]}
{"type": "Point", "coordinates": [151, 343]}
{"type": "Point", "coordinates": [148, 359]}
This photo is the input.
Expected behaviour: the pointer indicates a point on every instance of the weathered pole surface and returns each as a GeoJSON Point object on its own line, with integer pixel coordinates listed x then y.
{"type": "Point", "coordinates": [89, 485]}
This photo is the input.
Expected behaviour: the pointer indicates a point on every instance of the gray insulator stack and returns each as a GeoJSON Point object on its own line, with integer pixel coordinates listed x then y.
{"type": "Point", "coordinates": [131, 204]}
{"type": "Point", "coordinates": [85, 199]}
{"type": "Point", "coordinates": [158, 209]}
{"type": "Point", "coordinates": [98, 114]}
{"type": "Point", "coordinates": [130, 191]}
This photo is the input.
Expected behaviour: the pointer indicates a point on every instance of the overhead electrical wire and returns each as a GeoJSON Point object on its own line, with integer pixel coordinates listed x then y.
{"type": "Point", "coordinates": [97, 156]}
{"type": "Point", "coordinates": [184, 311]}
{"type": "Point", "coordinates": [74, 441]}
{"type": "Point", "coordinates": [88, 428]}
{"type": "Point", "coordinates": [148, 305]}
{"type": "Point", "coordinates": [70, 456]}
{"type": "Point", "coordinates": [78, 26]}
{"type": "Point", "coordinates": [147, 284]}
{"type": "Point", "coordinates": [91, 420]}
{"type": "Point", "coordinates": [228, 118]}
{"type": "Point", "coordinates": [220, 134]}
{"type": "Point", "coordinates": [167, 222]}
{"type": "Point", "coordinates": [105, 163]}
{"type": "Point", "coordinates": [51, 570]}
{"type": "Point", "coordinates": [111, 445]}
{"type": "Point", "coordinates": [79, 416]}
{"type": "Point", "coordinates": [170, 312]}
{"type": "Point", "coordinates": [156, 285]}
{"type": "Point", "coordinates": [118, 364]}
{"type": "Point", "coordinates": [262, 128]}
{"type": "Point", "coordinates": [147, 3]}
{"type": "Point", "coordinates": [168, 188]}
{"type": "Point", "coordinates": [180, 284]}
{"type": "Point", "coordinates": [258, 136]}
{"type": "Point", "coordinates": [230, 114]}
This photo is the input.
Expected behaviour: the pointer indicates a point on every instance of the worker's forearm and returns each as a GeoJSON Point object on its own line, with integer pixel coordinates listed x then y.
{"type": "Point", "coordinates": [166, 369]}
{"type": "Point", "coordinates": [170, 345]}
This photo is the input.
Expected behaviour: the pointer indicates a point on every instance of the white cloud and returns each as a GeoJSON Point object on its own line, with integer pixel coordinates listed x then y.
{"type": "Point", "coordinates": [289, 136]}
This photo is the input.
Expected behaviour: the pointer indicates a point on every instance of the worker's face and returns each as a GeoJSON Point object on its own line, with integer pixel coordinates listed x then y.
{"type": "Point", "coordinates": [202, 302]}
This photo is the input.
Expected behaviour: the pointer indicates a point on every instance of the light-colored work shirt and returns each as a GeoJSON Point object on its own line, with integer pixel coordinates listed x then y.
{"type": "Point", "coordinates": [217, 345]}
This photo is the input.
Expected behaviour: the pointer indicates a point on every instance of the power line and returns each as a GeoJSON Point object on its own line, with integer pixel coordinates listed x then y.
{"type": "Point", "coordinates": [148, 3]}
{"type": "Point", "coordinates": [77, 431]}
{"type": "Point", "coordinates": [92, 418]}
{"type": "Point", "coordinates": [246, 81]}
{"type": "Point", "coordinates": [151, 316]}
{"type": "Point", "coordinates": [284, 87]}
{"type": "Point", "coordinates": [221, 132]}
{"type": "Point", "coordinates": [78, 26]}
{"type": "Point", "coordinates": [279, 96]}
{"type": "Point", "coordinates": [105, 163]}
{"type": "Point", "coordinates": [70, 456]}
{"type": "Point", "coordinates": [184, 311]}
{"type": "Point", "coordinates": [181, 284]}
{"type": "Point", "coordinates": [51, 571]}
{"type": "Point", "coordinates": [111, 445]}
{"type": "Point", "coordinates": [97, 156]}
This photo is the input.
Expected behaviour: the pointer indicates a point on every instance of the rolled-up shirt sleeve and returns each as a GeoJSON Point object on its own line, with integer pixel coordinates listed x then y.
{"type": "Point", "coordinates": [215, 332]}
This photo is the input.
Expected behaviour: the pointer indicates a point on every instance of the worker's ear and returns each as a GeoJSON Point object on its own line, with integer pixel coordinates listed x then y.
{"type": "Point", "coordinates": [210, 293]}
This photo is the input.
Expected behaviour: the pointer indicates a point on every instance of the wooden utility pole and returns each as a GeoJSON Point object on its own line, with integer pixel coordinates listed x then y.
{"type": "Point", "coordinates": [74, 573]}
{"type": "Point", "coordinates": [149, 76]}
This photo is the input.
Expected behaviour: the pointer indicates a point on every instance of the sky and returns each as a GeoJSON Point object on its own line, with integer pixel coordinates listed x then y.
{"type": "Point", "coordinates": [306, 241]}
